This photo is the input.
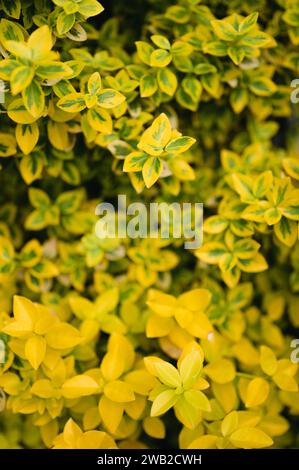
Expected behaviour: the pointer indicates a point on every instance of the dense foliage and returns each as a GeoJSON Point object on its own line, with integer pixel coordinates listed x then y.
{"type": "Point", "coordinates": [136, 343]}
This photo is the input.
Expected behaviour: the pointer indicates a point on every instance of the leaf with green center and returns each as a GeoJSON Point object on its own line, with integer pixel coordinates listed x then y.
{"type": "Point", "coordinates": [151, 170]}
{"type": "Point", "coordinates": [34, 99]}
{"type": "Point", "coordinates": [109, 98]}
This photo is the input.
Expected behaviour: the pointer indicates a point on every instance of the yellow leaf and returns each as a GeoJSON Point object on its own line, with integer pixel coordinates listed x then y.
{"type": "Point", "coordinates": [195, 300]}
{"type": "Point", "coordinates": [91, 418]}
{"type": "Point", "coordinates": [27, 136]}
{"type": "Point", "coordinates": [151, 170]}
{"type": "Point", "coordinates": [49, 431]}
{"type": "Point", "coordinates": [208, 441]}
{"type": "Point", "coordinates": [190, 367]}
{"type": "Point", "coordinates": [35, 350]}
{"type": "Point", "coordinates": [165, 372]}
{"type": "Point", "coordinates": [43, 388]}
{"type": "Point", "coordinates": [221, 371]}
{"type": "Point", "coordinates": [119, 358]}
{"type": "Point", "coordinates": [80, 386]}
{"type": "Point", "coordinates": [268, 360]}
{"type": "Point", "coordinates": [24, 311]}
{"type": "Point", "coordinates": [71, 433]}
{"type": "Point", "coordinates": [95, 440]}
{"type": "Point", "coordinates": [156, 137]}
{"type": "Point", "coordinates": [111, 413]}
{"type": "Point", "coordinates": [100, 120]}
{"type": "Point", "coordinates": [250, 438]}
{"type": "Point", "coordinates": [40, 41]}
{"type": "Point", "coordinates": [109, 98]}
{"type": "Point", "coordinates": [154, 427]}
{"type": "Point", "coordinates": [186, 413]}
{"type": "Point", "coordinates": [285, 382]}
{"type": "Point", "coordinates": [63, 336]}
{"type": "Point", "coordinates": [158, 326]}
{"type": "Point", "coordinates": [257, 392]}
{"type": "Point", "coordinates": [198, 400]}
{"type": "Point", "coordinates": [200, 326]}
{"type": "Point", "coordinates": [163, 402]}
{"type": "Point", "coordinates": [119, 391]}
{"type": "Point", "coordinates": [226, 395]}
{"type": "Point", "coordinates": [274, 425]}
{"type": "Point", "coordinates": [162, 304]}
{"type": "Point", "coordinates": [230, 423]}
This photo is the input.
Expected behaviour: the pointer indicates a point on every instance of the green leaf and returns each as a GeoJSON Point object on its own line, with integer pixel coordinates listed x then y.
{"type": "Point", "coordinates": [38, 198]}
{"type": "Point", "coordinates": [72, 103]}
{"type": "Point", "coordinates": [21, 78]}
{"type": "Point", "coordinates": [65, 22]}
{"type": "Point", "coordinates": [193, 88]}
{"type": "Point", "coordinates": [36, 220]}
{"type": "Point", "coordinates": [100, 120]}
{"type": "Point", "coordinates": [243, 185]}
{"type": "Point", "coordinates": [70, 201]}
{"type": "Point", "coordinates": [246, 248]}
{"type": "Point", "coordinates": [239, 99]}
{"type": "Point", "coordinates": [90, 8]}
{"type": "Point", "coordinates": [7, 254]}
{"type": "Point", "coordinates": [56, 70]}
{"type": "Point", "coordinates": [10, 31]}
{"type": "Point", "coordinates": [236, 54]}
{"type": "Point", "coordinates": [151, 170]}
{"type": "Point", "coordinates": [34, 99]}
{"type": "Point", "coordinates": [211, 83]}
{"type": "Point", "coordinates": [135, 161]}
{"type": "Point", "coordinates": [215, 224]}
{"type": "Point", "coordinates": [216, 48]}
{"type": "Point", "coordinates": [181, 49]}
{"type": "Point", "coordinates": [144, 51]}
{"type": "Point", "coordinates": [291, 17]}
{"type": "Point", "coordinates": [31, 167]}
{"type": "Point", "coordinates": [109, 98]}
{"type": "Point", "coordinates": [167, 81]}
{"type": "Point", "coordinates": [262, 86]}
{"type": "Point", "coordinates": [180, 144]}
{"type": "Point", "coordinates": [263, 184]}
{"type": "Point", "coordinates": [94, 83]}
{"type": "Point", "coordinates": [224, 30]}
{"type": "Point", "coordinates": [204, 68]}
{"type": "Point", "coordinates": [291, 166]}
{"type": "Point", "coordinates": [160, 41]}
{"type": "Point", "coordinates": [17, 112]}
{"type": "Point", "coordinates": [248, 23]}
{"type": "Point", "coordinates": [12, 8]}
{"type": "Point", "coordinates": [211, 252]}
{"type": "Point", "coordinates": [257, 39]}
{"type": "Point", "coordinates": [7, 145]}
{"type": "Point", "coordinates": [160, 58]}
{"type": "Point", "coordinates": [148, 86]}
{"type": "Point", "coordinates": [7, 66]}
{"type": "Point", "coordinates": [178, 14]}
{"type": "Point", "coordinates": [286, 231]}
